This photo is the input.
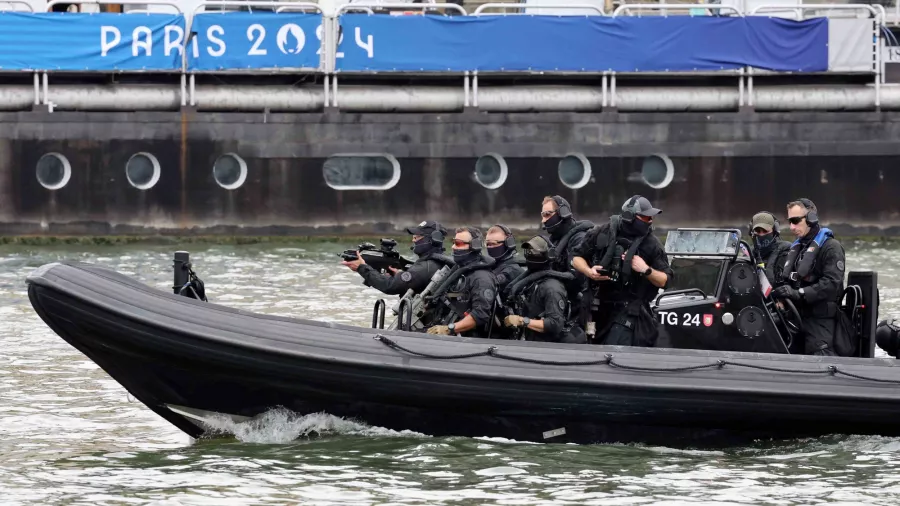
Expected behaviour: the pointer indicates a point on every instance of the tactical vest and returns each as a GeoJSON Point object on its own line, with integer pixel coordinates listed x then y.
{"type": "Point", "coordinates": [797, 271]}
{"type": "Point", "coordinates": [558, 253]}
{"type": "Point", "coordinates": [452, 289]}
{"type": "Point", "coordinates": [609, 250]}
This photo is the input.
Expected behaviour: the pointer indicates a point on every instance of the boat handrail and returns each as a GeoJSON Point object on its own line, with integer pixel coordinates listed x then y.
{"type": "Point", "coordinates": [685, 291]}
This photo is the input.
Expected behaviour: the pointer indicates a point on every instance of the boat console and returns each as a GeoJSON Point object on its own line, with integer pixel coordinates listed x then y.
{"type": "Point", "coordinates": [720, 299]}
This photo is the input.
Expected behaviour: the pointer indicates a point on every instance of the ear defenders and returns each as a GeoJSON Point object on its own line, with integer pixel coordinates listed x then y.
{"type": "Point", "coordinates": [563, 208]}
{"type": "Point", "coordinates": [628, 213]}
{"type": "Point", "coordinates": [510, 239]}
{"type": "Point", "coordinates": [812, 217]}
{"type": "Point", "coordinates": [776, 228]}
{"type": "Point", "coordinates": [477, 240]}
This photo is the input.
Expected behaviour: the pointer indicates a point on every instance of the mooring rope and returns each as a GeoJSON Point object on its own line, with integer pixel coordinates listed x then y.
{"type": "Point", "coordinates": [608, 360]}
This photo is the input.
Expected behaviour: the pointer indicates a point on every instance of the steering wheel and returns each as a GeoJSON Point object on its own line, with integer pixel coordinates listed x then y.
{"type": "Point", "coordinates": [789, 315]}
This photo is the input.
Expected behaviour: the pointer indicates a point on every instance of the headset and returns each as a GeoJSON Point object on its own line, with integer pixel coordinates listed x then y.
{"type": "Point", "coordinates": [437, 237]}
{"type": "Point", "coordinates": [776, 228]}
{"type": "Point", "coordinates": [563, 208]}
{"type": "Point", "coordinates": [477, 239]}
{"type": "Point", "coordinates": [812, 217]}
{"type": "Point", "coordinates": [628, 213]}
{"type": "Point", "coordinates": [510, 239]}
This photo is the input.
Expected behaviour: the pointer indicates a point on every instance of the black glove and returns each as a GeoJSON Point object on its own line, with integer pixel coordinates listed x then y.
{"type": "Point", "coordinates": [787, 292]}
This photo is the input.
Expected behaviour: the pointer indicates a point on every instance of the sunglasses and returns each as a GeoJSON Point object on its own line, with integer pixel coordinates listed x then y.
{"type": "Point", "coordinates": [460, 244]}
{"type": "Point", "coordinates": [547, 214]}
{"type": "Point", "coordinates": [796, 220]}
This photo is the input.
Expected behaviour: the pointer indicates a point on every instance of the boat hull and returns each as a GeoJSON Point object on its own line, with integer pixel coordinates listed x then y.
{"type": "Point", "coordinates": [173, 351]}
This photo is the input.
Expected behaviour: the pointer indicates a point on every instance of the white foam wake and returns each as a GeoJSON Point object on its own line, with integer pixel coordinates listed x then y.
{"type": "Point", "coordinates": [281, 425]}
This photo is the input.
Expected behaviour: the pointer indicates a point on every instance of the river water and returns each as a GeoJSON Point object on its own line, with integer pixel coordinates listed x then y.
{"type": "Point", "coordinates": [69, 434]}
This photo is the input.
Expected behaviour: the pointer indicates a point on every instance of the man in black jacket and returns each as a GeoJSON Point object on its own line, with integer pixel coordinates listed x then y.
{"type": "Point", "coordinates": [501, 246]}
{"type": "Point", "coordinates": [566, 236]}
{"type": "Point", "coordinates": [466, 299]}
{"type": "Point", "coordinates": [768, 247]}
{"type": "Point", "coordinates": [428, 244]}
{"type": "Point", "coordinates": [813, 279]}
{"type": "Point", "coordinates": [627, 265]}
{"type": "Point", "coordinates": [539, 303]}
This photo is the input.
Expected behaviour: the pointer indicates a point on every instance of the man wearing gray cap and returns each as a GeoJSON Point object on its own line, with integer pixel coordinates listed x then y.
{"type": "Point", "coordinates": [627, 266]}
{"type": "Point", "coordinates": [769, 250]}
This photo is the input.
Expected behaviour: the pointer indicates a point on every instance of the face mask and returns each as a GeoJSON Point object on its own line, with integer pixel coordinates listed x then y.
{"type": "Point", "coordinates": [463, 257]}
{"type": "Point", "coordinates": [497, 251]}
{"type": "Point", "coordinates": [764, 242]}
{"type": "Point", "coordinates": [422, 246]}
{"type": "Point", "coordinates": [552, 222]}
{"type": "Point", "coordinates": [534, 265]}
{"type": "Point", "coordinates": [636, 228]}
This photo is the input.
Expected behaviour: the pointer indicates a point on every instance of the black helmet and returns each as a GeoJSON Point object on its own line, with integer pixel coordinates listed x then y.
{"type": "Point", "coordinates": [537, 250]}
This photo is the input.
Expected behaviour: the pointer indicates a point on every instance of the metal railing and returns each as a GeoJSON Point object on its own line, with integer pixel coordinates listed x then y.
{"type": "Point", "coordinates": [400, 5]}
{"type": "Point", "coordinates": [668, 6]}
{"type": "Point", "coordinates": [168, 3]}
{"type": "Point", "coordinates": [330, 28]}
{"type": "Point", "coordinates": [505, 6]}
{"type": "Point", "coordinates": [189, 22]}
{"type": "Point", "coordinates": [15, 2]}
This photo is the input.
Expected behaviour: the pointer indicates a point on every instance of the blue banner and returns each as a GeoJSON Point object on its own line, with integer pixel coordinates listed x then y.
{"type": "Point", "coordinates": [580, 44]}
{"type": "Point", "coordinates": [243, 40]}
{"type": "Point", "coordinates": [79, 42]}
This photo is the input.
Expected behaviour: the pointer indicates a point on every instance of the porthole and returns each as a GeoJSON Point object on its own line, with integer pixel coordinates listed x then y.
{"type": "Point", "coordinates": [374, 171]}
{"type": "Point", "coordinates": [574, 170]}
{"type": "Point", "coordinates": [142, 170]}
{"type": "Point", "coordinates": [230, 171]}
{"type": "Point", "coordinates": [53, 171]}
{"type": "Point", "coordinates": [491, 171]}
{"type": "Point", "coordinates": [657, 171]}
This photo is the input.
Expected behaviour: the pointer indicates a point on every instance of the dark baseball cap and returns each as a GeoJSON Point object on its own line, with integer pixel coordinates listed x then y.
{"type": "Point", "coordinates": [426, 228]}
{"type": "Point", "coordinates": [640, 206]}
{"type": "Point", "coordinates": [764, 221]}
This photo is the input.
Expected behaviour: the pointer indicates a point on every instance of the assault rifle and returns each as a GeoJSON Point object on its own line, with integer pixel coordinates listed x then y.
{"type": "Point", "coordinates": [414, 307]}
{"type": "Point", "coordinates": [379, 259]}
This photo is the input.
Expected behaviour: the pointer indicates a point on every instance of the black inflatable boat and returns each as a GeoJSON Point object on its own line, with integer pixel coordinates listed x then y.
{"type": "Point", "coordinates": [186, 358]}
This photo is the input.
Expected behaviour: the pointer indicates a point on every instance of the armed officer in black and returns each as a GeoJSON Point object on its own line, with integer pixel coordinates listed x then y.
{"type": "Point", "coordinates": [466, 299]}
{"type": "Point", "coordinates": [538, 299]}
{"type": "Point", "coordinates": [627, 265]}
{"type": "Point", "coordinates": [813, 279]}
{"type": "Point", "coordinates": [768, 247]}
{"type": "Point", "coordinates": [566, 236]}
{"type": "Point", "coordinates": [427, 244]}
{"type": "Point", "coordinates": [501, 246]}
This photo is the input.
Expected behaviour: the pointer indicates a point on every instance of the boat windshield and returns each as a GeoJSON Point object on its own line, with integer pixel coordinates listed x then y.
{"type": "Point", "coordinates": [702, 242]}
{"type": "Point", "coordinates": [702, 273]}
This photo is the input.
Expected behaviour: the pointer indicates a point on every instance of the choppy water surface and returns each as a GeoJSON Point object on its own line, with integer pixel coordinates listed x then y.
{"type": "Point", "coordinates": [70, 435]}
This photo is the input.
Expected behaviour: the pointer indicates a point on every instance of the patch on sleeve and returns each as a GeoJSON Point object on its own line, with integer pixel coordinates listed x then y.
{"type": "Point", "coordinates": [840, 265]}
{"type": "Point", "coordinates": [562, 304]}
{"type": "Point", "coordinates": [488, 294]}
{"type": "Point", "coordinates": [501, 278]}
{"type": "Point", "coordinates": [406, 277]}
